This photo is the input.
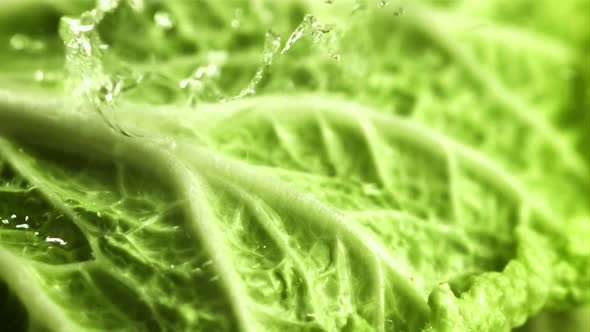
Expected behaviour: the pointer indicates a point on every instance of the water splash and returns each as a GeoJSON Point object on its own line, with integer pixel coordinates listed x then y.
{"type": "Point", "coordinates": [89, 81]}
{"type": "Point", "coordinates": [202, 84]}
{"type": "Point", "coordinates": [295, 36]}
{"type": "Point", "coordinates": [56, 240]}
{"type": "Point", "coordinates": [106, 6]}
{"type": "Point", "coordinates": [86, 77]}
{"type": "Point", "coordinates": [272, 44]}
{"type": "Point", "coordinates": [320, 34]}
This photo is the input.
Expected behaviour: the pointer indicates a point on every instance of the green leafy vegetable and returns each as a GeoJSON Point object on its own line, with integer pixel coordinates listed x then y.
{"type": "Point", "coordinates": [294, 166]}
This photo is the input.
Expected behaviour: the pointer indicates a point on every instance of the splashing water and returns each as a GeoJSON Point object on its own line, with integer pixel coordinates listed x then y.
{"type": "Point", "coordinates": [272, 44]}
{"type": "Point", "coordinates": [89, 81]}
{"type": "Point", "coordinates": [298, 33]}
{"type": "Point", "coordinates": [201, 85]}
{"type": "Point", "coordinates": [322, 35]}
{"type": "Point", "coordinates": [86, 77]}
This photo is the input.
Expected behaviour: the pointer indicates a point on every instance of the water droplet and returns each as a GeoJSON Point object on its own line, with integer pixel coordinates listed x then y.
{"type": "Point", "coordinates": [22, 226]}
{"type": "Point", "coordinates": [370, 189]}
{"type": "Point", "coordinates": [383, 3]}
{"type": "Point", "coordinates": [184, 83]}
{"type": "Point", "coordinates": [163, 20]}
{"type": "Point", "coordinates": [217, 57]}
{"type": "Point", "coordinates": [202, 84]}
{"type": "Point", "coordinates": [236, 21]}
{"type": "Point", "coordinates": [272, 44]}
{"type": "Point", "coordinates": [194, 84]}
{"type": "Point", "coordinates": [21, 42]}
{"type": "Point", "coordinates": [5, 221]}
{"type": "Point", "coordinates": [321, 34]}
{"type": "Point", "coordinates": [398, 11]}
{"type": "Point", "coordinates": [71, 202]}
{"type": "Point", "coordinates": [55, 240]}
{"type": "Point", "coordinates": [214, 278]}
{"type": "Point", "coordinates": [109, 90]}
{"type": "Point", "coordinates": [107, 5]}
{"type": "Point", "coordinates": [36, 233]}
{"type": "Point", "coordinates": [39, 75]}
{"type": "Point", "coordinates": [137, 5]}
{"type": "Point", "coordinates": [207, 71]}
{"type": "Point", "coordinates": [18, 42]}
{"type": "Point", "coordinates": [13, 216]}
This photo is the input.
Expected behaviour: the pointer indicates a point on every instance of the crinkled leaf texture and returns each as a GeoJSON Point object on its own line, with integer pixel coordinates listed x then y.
{"type": "Point", "coordinates": [300, 213]}
{"type": "Point", "coordinates": [434, 179]}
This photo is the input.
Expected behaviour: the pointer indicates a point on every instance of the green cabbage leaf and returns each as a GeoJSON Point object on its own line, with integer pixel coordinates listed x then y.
{"type": "Point", "coordinates": [294, 166]}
